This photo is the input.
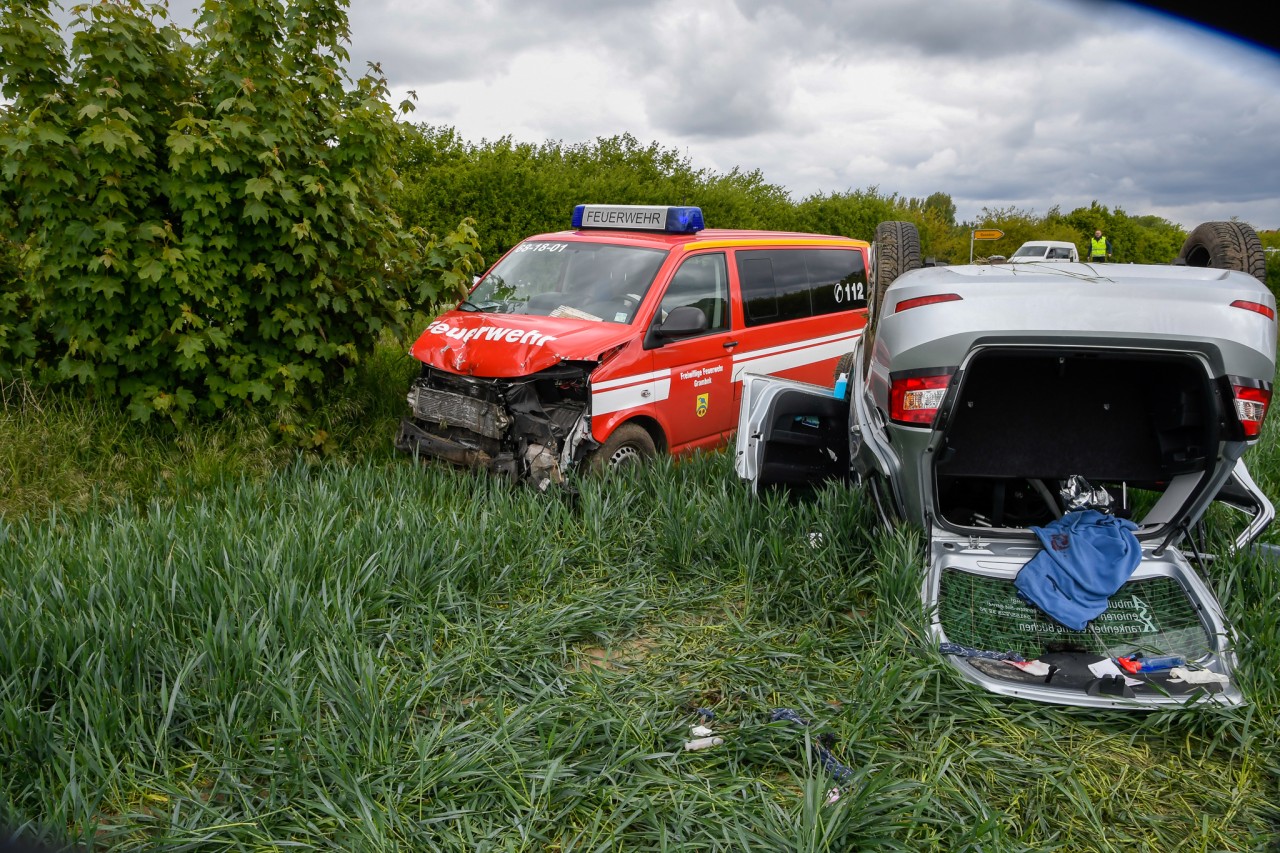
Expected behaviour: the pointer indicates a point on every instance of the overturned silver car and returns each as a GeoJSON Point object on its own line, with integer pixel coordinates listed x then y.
{"type": "Point", "coordinates": [989, 405]}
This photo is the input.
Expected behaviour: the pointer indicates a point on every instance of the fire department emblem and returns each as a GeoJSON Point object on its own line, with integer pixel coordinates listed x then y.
{"type": "Point", "coordinates": [704, 400]}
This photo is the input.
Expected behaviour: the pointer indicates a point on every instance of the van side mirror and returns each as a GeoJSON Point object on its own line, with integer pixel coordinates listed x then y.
{"type": "Point", "coordinates": [683, 322]}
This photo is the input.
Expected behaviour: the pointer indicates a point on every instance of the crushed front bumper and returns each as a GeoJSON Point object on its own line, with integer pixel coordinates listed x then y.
{"type": "Point", "coordinates": [533, 428]}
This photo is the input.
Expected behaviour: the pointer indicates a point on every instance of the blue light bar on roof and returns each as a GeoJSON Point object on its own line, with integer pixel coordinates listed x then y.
{"type": "Point", "coordinates": [639, 217]}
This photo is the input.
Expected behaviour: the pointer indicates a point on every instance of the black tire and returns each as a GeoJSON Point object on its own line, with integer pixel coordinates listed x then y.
{"type": "Point", "coordinates": [1225, 246]}
{"type": "Point", "coordinates": [845, 366]}
{"type": "Point", "coordinates": [896, 250]}
{"type": "Point", "coordinates": [630, 444]}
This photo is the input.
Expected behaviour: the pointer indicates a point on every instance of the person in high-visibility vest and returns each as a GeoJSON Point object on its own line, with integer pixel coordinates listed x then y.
{"type": "Point", "coordinates": [1099, 248]}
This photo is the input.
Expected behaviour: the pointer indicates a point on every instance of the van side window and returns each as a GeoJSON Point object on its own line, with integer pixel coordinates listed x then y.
{"type": "Point", "coordinates": [837, 280]}
{"type": "Point", "coordinates": [790, 284]}
{"type": "Point", "coordinates": [701, 282]}
{"type": "Point", "coordinates": [759, 293]}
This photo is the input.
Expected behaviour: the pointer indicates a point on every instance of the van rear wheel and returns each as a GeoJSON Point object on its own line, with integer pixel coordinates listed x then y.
{"type": "Point", "coordinates": [629, 445]}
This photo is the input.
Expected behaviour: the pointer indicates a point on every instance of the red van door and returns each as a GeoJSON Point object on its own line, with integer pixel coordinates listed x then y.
{"type": "Point", "coordinates": [700, 410]}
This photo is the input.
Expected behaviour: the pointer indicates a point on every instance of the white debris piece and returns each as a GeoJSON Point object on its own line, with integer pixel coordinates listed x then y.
{"type": "Point", "coordinates": [1196, 676]}
{"type": "Point", "coordinates": [703, 743]}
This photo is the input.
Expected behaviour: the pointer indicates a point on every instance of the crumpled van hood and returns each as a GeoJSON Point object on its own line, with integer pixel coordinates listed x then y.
{"type": "Point", "coordinates": [473, 343]}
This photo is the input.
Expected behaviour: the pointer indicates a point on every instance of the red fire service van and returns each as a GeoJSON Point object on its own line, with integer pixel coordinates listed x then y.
{"type": "Point", "coordinates": [626, 337]}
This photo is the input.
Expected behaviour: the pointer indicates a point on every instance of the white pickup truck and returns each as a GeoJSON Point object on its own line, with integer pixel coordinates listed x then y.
{"type": "Point", "coordinates": [1057, 251]}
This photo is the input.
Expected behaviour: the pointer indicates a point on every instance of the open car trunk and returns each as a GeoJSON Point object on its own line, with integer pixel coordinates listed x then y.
{"type": "Point", "coordinates": [1150, 427]}
{"type": "Point", "coordinates": [1022, 420]}
{"type": "Point", "coordinates": [1019, 424]}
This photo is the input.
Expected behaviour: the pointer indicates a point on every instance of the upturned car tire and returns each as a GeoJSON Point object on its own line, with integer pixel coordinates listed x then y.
{"type": "Point", "coordinates": [845, 365]}
{"type": "Point", "coordinates": [1225, 246]}
{"type": "Point", "coordinates": [630, 444]}
{"type": "Point", "coordinates": [896, 251]}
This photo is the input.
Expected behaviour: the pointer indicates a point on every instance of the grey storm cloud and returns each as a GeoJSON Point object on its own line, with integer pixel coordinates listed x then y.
{"type": "Point", "coordinates": [1027, 103]}
{"type": "Point", "coordinates": [461, 41]}
{"type": "Point", "coordinates": [909, 28]}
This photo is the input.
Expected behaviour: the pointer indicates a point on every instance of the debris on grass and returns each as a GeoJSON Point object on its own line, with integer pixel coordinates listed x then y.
{"type": "Point", "coordinates": [821, 746]}
{"type": "Point", "coordinates": [702, 743]}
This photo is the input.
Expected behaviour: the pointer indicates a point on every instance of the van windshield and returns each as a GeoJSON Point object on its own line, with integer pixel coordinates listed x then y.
{"type": "Point", "coordinates": [586, 281]}
{"type": "Point", "coordinates": [1030, 252]}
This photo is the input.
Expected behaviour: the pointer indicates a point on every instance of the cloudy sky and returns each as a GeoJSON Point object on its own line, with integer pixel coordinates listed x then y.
{"type": "Point", "coordinates": [999, 103]}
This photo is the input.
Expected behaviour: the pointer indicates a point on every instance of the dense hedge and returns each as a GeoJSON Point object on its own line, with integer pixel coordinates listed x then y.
{"type": "Point", "coordinates": [514, 189]}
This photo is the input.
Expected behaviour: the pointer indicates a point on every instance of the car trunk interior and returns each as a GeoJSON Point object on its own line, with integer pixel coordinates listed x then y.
{"type": "Point", "coordinates": [1022, 422]}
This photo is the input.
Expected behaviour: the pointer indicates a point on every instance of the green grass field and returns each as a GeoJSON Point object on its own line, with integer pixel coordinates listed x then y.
{"type": "Point", "coordinates": [209, 643]}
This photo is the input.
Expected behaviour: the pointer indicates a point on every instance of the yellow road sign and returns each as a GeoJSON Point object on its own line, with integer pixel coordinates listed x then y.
{"type": "Point", "coordinates": [988, 234]}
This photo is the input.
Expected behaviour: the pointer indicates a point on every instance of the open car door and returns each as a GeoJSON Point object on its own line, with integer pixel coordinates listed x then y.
{"type": "Point", "coordinates": [790, 434]}
{"type": "Point", "coordinates": [1241, 493]}
{"type": "Point", "coordinates": [794, 434]}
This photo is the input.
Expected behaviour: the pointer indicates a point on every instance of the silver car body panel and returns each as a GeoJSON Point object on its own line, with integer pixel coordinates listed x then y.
{"type": "Point", "coordinates": [1127, 305]}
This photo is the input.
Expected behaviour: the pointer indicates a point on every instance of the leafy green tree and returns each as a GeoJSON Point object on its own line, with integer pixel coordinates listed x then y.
{"type": "Point", "coordinates": [742, 198]}
{"type": "Point", "coordinates": [855, 213]}
{"type": "Point", "coordinates": [203, 217]}
{"type": "Point", "coordinates": [17, 314]}
{"type": "Point", "coordinates": [1153, 240]}
{"type": "Point", "coordinates": [943, 206]}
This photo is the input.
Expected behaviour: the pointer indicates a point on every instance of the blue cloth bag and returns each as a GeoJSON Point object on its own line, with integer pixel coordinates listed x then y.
{"type": "Point", "coordinates": [1087, 557]}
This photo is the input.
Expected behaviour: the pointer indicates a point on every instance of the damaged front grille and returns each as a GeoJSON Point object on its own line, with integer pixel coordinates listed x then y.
{"type": "Point", "coordinates": [457, 410]}
{"type": "Point", "coordinates": [527, 426]}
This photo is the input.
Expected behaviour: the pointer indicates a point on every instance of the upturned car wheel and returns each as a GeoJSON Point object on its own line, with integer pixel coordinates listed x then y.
{"type": "Point", "coordinates": [844, 366]}
{"type": "Point", "coordinates": [629, 445]}
{"type": "Point", "coordinates": [896, 250]}
{"type": "Point", "coordinates": [1226, 246]}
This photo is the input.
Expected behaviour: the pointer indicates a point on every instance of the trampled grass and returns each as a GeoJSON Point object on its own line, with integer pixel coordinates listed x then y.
{"type": "Point", "coordinates": [228, 652]}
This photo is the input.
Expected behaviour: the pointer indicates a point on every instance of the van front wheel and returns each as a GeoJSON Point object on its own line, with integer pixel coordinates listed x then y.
{"type": "Point", "coordinates": [629, 445]}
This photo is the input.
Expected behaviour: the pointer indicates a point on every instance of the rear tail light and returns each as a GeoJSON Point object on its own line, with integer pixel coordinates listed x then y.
{"type": "Point", "coordinates": [1251, 407]}
{"type": "Point", "coordinates": [1257, 307]}
{"type": "Point", "coordinates": [918, 301]}
{"type": "Point", "coordinates": [915, 399]}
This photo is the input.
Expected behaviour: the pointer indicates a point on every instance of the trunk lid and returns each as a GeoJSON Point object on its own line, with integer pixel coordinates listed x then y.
{"type": "Point", "coordinates": [1163, 610]}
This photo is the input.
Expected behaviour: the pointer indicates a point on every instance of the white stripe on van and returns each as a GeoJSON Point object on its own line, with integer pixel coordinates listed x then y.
{"type": "Point", "coordinates": [651, 390]}
{"type": "Point", "coordinates": [630, 380]}
{"type": "Point", "coordinates": [629, 392]}
{"type": "Point", "coordinates": [777, 359]}
{"type": "Point", "coordinates": [806, 342]}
